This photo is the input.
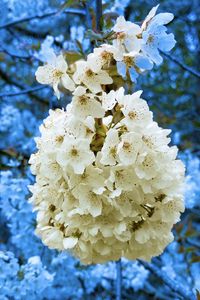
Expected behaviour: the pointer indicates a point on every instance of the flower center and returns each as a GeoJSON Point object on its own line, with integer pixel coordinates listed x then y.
{"type": "Point", "coordinates": [59, 138]}
{"type": "Point", "coordinates": [74, 152]}
{"type": "Point", "coordinates": [127, 146]}
{"type": "Point", "coordinates": [83, 100]}
{"type": "Point", "coordinates": [89, 73]}
{"type": "Point", "coordinates": [150, 39]}
{"type": "Point", "coordinates": [113, 151]}
{"type": "Point", "coordinates": [128, 61]}
{"type": "Point", "coordinates": [132, 115]}
{"type": "Point", "coordinates": [121, 35]}
{"type": "Point", "coordinates": [57, 74]}
{"type": "Point", "coordinates": [106, 55]}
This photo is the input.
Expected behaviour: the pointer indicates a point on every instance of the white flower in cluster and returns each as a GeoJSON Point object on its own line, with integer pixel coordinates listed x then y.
{"type": "Point", "coordinates": [154, 36]}
{"type": "Point", "coordinates": [117, 193]}
{"type": "Point", "coordinates": [127, 36]}
{"type": "Point", "coordinates": [55, 73]}
{"type": "Point", "coordinates": [107, 182]}
{"type": "Point", "coordinates": [89, 78]}
{"type": "Point", "coordinates": [133, 51]}
{"type": "Point", "coordinates": [135, 63]}
{"type": "Point", "coordinates": [140, 45]}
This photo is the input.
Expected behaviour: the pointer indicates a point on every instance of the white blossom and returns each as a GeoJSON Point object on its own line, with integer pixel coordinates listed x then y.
{"type": "Point", "coordinates": [75, 153]}
{"type": "Point", "coordinates": [154, 36]}
{"type": "Point", "coordinates": [109, 150]}
{"type": "Point", "coordinates": [84, 104]}
{"type": "Point", "coordinates": [90, 79]}
{"type": "Point", "coordinates": [55, 73]}
{"type": "Point", "coordinates": [127, 35]}
{"type": "Point", "coordinates": [108, 183]}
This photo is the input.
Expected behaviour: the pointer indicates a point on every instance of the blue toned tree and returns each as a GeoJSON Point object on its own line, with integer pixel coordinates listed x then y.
{"type": "Point", "coordinates": [57, 36]}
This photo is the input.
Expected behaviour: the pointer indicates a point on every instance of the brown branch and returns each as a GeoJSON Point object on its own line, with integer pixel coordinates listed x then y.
{"type": "Point", "coordinates": [175, 286]}
{"type": "Point", "coordinates": [9, 80]}
{"type": "Point", "coordinates": [25, 91]}
{"type": "Point", "coordinates": [13, 55]}
{"type": "Point", "coordinates": [38, 16]}
{"type": "Point", "coordinates": [182, 65]}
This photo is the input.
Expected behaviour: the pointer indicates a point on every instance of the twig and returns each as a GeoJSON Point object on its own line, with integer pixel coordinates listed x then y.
{"type": "Point", "coordinates": [172, 284]}
{"type": "Point", "coordinates": [182, 65]}
{"type": "Point", "coordinates": [46, 15]}
{"type": "Point", "coordinates": [10, 80]}
{"type": "Point", "coordinates": [88, 15]}
{"type": "Point", "coordinates": [99, 15]}
{"type": "Point", "coordinates": [3, 50]}
{"type": "Point", "coordinates": [119, 280]}
{"type": "Point", "coordinates": [25, 91]}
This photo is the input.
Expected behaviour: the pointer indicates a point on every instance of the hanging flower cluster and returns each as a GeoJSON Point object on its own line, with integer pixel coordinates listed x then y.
{"type": "Point", "coordinates": [107, 182]}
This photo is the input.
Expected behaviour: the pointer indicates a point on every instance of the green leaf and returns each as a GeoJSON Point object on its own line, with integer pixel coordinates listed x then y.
{"type": "Point", "coordinates": [67, 4]}
{"type": "Point", "coordinates": [195, 259]}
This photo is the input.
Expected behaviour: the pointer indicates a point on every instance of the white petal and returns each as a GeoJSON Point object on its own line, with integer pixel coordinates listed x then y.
{"type": "Point", "coordinates": [61, 64]}
{"type": "Point", "coordinates": [44, 74]}
{"type": "Point", "coordinates": [79, 91]}
{"type": "Point", "coordinates": [70, 242]}
{"type": "Point", "coordinates": [163, 18]}
{"type": "Point", "coordinates": [150, 15]}
{"type": "Point", "coordinates": [67, 82]}
{"type": "Point", "coordinates": [121, 68]}
{"type": "Point", "coordinates": [153, 53]}
{"type": "Point", "coordinates": [167, 42]}
{"type": "Point", "coordinates": [133, 74]}
{"type": "Point", "coordinates": [55, 88]}
{"type": "Point", "coordinates": [143, 62]}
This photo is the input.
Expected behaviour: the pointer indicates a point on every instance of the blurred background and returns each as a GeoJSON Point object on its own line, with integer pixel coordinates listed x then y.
{"type": "Point", "coordinates": [28, 269]}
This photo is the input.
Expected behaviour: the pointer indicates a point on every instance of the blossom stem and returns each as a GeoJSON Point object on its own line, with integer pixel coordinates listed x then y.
{"type": "Point", "coordinates": [118, 279]}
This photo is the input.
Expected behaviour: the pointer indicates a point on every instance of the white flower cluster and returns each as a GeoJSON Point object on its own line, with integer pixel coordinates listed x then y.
{"type": "Point", "coordinates": [107, 182]}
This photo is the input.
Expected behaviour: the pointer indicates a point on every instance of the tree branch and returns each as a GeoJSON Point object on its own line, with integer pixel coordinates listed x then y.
{"type": "Point", "coordinates": [182, 65]}
{"type": "Point", "coordinates": [25, 91]}
{"type": "Point", "coordinates": [172, 284]}
{"type": "Point", "coordinates": [99, 15]}
{"type": "Point", "coordinates": [9, 80]}
{"type": "Point", "coordinates": [3, 50]}
{"type": "Point", "coordinates": [118, 279]}
{"type": "Point", "coordinates": [46, 15]}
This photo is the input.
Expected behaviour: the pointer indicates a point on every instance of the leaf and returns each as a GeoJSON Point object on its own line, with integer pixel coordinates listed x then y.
{"type": "Point", "coordinates": [67, 4]}
{"type": "Point", "coordinates": [80, 48]}
{"type": "Point", "coordinates": [93, 35]}
{"type": "Point", "coordinates": [190, 249]}
{"type": "Point", "coordinates": [195, 259]}
{"type": "Point", "coordinates": [72, 56]}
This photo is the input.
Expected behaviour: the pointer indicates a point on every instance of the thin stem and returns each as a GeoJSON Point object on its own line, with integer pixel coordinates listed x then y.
{"type": "Point", "coordinates": [182, 65]}
{"type": "Point", "coordinates": [40, 16]}
{"type": "Point", "coordinates": [98, 15]}
{"type": "Point", "coordinates": [119, 280]}
{"type": "Point", "coordinates": [25, 91]}
{"type": "Point", "coordinates": [175, 286]}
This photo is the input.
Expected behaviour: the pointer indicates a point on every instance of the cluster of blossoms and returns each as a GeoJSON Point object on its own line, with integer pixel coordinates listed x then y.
{"type": "Point", "coordinates": [107, 183]}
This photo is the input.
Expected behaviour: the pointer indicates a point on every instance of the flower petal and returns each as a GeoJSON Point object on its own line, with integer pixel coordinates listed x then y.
{"type": "Point", "coordinates": [67, 82]}
{"type": "Point", "coordinates": [70, 242]}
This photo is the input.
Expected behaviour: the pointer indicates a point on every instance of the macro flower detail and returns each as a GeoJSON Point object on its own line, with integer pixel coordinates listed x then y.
{"type": "Point", "coordinates": [55, 73]}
